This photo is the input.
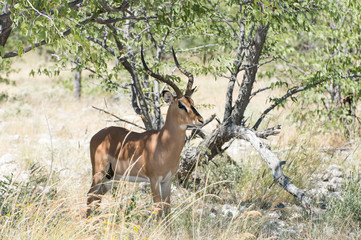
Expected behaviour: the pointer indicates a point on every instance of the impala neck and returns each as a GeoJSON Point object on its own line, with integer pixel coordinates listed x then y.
{"type": "Point", "coordinates": [173, 131]}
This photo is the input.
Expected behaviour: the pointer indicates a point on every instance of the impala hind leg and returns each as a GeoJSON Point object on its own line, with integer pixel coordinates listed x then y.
{"type": "Point", "coordinates": [98, 187]}
{"type": "Point", "coordinates": [96, 191]}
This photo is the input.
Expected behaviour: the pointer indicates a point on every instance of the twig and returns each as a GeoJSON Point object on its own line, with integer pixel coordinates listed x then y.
{"type": "Point", "coordinates": [351, 76]}
{"type": "Point", "coordinates": [196, 48]}
{"type": "Point", "coordinates": [197, 131]}
{"type": "Point", "coordinates": [259, 90]}
{"type": "Point", "coordinates": [121, 120]}
{"type": "Point", "coordinates": [207, 121]}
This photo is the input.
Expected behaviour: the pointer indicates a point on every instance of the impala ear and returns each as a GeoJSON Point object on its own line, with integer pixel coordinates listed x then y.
{"type": "Point", "coordinates": [168, 96]}
{"type": "Point", "coordinates": [193, 91]}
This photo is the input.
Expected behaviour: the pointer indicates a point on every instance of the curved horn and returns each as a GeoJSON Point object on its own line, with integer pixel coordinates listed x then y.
{"type": "Point", "coordinates": [159, 77]}
{"type": "Point", "coordinates": [189, 89]}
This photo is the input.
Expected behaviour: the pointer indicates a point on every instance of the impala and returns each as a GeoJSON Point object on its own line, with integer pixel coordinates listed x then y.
{"type": "Point", "coordinates": [152, 156]}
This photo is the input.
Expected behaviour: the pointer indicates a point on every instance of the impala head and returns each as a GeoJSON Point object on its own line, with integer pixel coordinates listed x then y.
{"type": "Point", "coordinates": [183, 109]}
{"type": "Point", "coordinates": [181, 105]}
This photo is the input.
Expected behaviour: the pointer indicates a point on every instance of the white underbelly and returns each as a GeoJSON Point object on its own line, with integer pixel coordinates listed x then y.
{"type": "Point", "coordinates": [131, 178]}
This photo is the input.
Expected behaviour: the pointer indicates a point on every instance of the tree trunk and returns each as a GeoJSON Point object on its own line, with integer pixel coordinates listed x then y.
{"type": "Point", "coordinates": [5, 24]}
{"type": "Point", "coordinates": [249, 77]}
{"type": "Point", "coordinates": [77, 84]}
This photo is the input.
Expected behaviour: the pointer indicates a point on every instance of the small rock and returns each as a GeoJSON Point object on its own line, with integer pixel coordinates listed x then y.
{"type": "Point", "coordinates": [336, 173]}
{"type": "Point", "coordinates": [336, 195]}
{"type": "Point", "coordinates": [230, 211]}
{"type": "Point", "coordinates": [328, 229]}
{"type": "Point", "coordinates": [336, 180]}
{"type": "Point", "coordinates": [7, 158]}
{"type": "Point", "coordinates": [9, 166]}
{"type": "Point", "coordinates": [334, 167]}
{"type": "Point", "coordinates": [334, 170]}
{"type": "Point", "coordinates": [275, 214]}
{"type": "Point", "coordinates": [274, 227]}
{"type": "Point", "coordinates": [325, 177]}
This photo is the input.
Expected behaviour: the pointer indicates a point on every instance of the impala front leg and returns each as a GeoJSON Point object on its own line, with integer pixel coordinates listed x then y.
{"type": "Point", "coordinates": [165, 191]}
{"type": "Point", "coordinates": [157, 197]}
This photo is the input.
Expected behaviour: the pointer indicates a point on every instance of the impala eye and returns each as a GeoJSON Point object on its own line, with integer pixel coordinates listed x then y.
{"type": "Point", "coordinates": [181, 106]}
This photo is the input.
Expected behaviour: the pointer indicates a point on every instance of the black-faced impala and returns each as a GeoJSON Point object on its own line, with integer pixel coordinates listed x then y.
{"type": "Point", "coordinates": [152, 156]}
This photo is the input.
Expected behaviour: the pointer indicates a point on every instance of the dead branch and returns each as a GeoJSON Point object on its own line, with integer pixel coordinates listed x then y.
{"type": "Point", "coordinates": [119, 119]}
{"type": "Point", "coordinates": [273, 163]}
{"type": "Point", "coordinates": [268, 132]}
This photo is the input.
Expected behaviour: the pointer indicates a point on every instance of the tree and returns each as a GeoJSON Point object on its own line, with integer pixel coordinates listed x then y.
{"type": "Point", "coordinates": [268, 31]}
{"type": "Point", "coordinates": [328, 49]}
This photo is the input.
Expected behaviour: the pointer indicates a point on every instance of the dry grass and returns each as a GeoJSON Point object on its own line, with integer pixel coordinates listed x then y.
{"type": "Point", "coordinates": [36, 103]}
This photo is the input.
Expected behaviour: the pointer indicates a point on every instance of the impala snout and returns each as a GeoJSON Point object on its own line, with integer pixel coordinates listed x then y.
{"type": "Point", "coordinates": [200, 120]}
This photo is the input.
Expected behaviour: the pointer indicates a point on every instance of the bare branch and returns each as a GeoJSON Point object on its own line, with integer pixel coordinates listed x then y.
{"type": "Point", "coordinates": [259, 90]}
{"type": "Point", "coordinates": [152, 39]}
{"type": "Point", "coordinates": [225, 20]}
{"type": "Point", "coordinates": [135, 105]}
{"type": "Point", "coordinates": [352, 76]}
{"type": "Point", "coordinates": [135, 78]}
{"type": "Point", "coordinates": [26, 49]}
{"type": "Point", "coordinates": [124, 86]}
{"type": "Point", "coordinates": [197, 48]}
{"type": "Point", "coordinates": [114, 20]}
{"type": "Point", "coordinates": [282, 99]}
{"type": "Point", "coordinates": [119, 119]}
{"type": "Point", "coordinates": [102, 44]}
